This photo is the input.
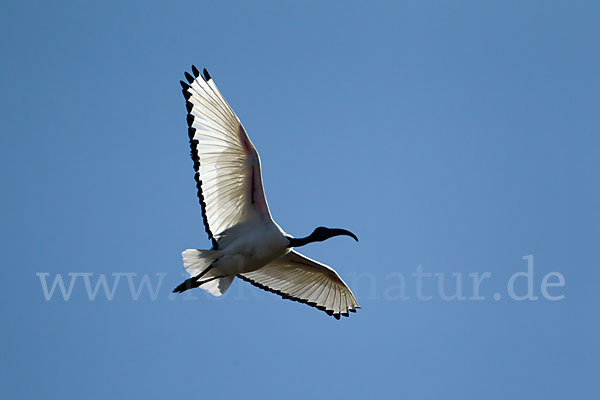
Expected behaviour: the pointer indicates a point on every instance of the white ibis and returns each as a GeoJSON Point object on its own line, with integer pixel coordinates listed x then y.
{"type": "Point", "coordinates": [246, 242]}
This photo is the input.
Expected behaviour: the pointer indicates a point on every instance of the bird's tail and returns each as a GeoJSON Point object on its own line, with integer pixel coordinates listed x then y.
{"type": "Point", "coordinates": [199, 262]}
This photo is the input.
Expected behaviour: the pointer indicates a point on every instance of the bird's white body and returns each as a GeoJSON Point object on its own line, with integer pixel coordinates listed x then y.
{"type": "Point", "coordinates": [249, 246]}
{"type": "Point", "coordinates": [247, 243]}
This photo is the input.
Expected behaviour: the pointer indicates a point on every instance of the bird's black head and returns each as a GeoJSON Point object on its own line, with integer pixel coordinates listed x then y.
{"type": "Point", "coordinates": [320, 234]}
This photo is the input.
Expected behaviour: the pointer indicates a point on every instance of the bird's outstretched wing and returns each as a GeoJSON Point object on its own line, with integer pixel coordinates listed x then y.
{"type": "Point", "coordinates": [227, 165]}
{"type": "Point", "coordinates": [296, 277]}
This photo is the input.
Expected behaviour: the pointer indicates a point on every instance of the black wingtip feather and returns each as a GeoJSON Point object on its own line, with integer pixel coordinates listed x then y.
{"type": "Point", "coordinates": [184, 85]}
{"type": "Point", "coordinates": [206, 75]}
{"type": "Point", "coordinates": [189, 78]}
{"type": "Point", "coordinates": [190, 119]}
{"type": "Point", "coordinates": [195, 71]}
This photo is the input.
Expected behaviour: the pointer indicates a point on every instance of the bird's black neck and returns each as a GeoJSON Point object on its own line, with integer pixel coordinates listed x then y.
{"type": "Point", "coordinates": [297, 242]}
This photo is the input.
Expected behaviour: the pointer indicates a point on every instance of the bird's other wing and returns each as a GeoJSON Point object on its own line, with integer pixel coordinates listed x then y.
{"type": "Point", "coordinates": [296, 277]}
{"type": "Point", "coordinates": [227, 165]}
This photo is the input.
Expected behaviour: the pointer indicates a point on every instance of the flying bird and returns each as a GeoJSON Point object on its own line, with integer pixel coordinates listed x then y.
{"type": "Point", "coordinates": [246, 242]}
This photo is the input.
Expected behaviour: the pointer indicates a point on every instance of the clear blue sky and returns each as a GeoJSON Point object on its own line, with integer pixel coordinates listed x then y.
{"type": "Point", "coordinates": [455, 136]}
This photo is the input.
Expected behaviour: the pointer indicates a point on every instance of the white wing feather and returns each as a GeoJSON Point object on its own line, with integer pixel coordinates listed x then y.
{"type": "Point", "coordinates": [227, 165]}
{"type": "Point", "coordinates": [299, 278]}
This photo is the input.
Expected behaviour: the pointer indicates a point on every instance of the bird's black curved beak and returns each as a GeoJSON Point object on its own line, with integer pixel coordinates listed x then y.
{"type": "Point", "coordinates": [338, 232]}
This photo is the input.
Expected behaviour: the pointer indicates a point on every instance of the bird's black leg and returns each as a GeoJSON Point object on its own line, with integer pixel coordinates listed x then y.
{"type": "Point", "coordinates": [194, 282]}
{"type": "Point", "coordinates": [201, 274]}
{"type": "Point", "coordinates": [199, 283]}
